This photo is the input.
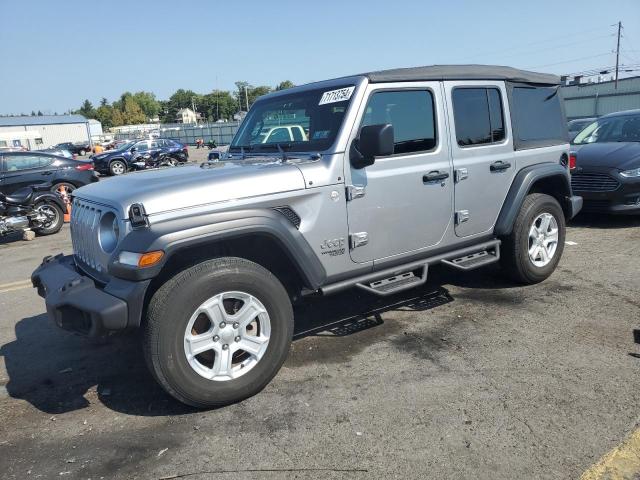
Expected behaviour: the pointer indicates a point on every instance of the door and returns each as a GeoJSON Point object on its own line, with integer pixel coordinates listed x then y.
{"type": "Point", "coordinates": [405, 200]}
{"type": "Point", "coordinates": [26, 170]}
{"type": "Point", "coordinates": [483, 155]}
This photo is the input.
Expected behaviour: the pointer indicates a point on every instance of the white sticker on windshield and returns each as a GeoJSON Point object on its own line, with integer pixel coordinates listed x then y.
{"type": "Point", "coordinates": [336, 95]}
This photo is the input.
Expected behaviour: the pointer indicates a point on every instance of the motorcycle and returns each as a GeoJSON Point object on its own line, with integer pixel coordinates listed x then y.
{"type": "Point", "coordinates": [31, 208]}
{"type": "Point", "coordinates": [147, 161]}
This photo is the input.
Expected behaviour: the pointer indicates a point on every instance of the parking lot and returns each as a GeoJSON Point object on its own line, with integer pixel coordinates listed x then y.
{"type": "Point", "coordinates": [467, 377]}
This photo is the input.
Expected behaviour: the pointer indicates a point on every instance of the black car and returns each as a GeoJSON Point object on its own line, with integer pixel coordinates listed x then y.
{"type": "Point", "coordinates": [120, 160]}
{"type": "Point", "coordinates": [606, 160]}
{"type": "Point", "coordinates": [78, 148]}
{"type": "Point", "coordinates": [24, 169]}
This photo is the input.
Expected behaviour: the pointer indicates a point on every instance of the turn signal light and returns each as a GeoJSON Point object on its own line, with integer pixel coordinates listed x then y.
{"type": "Point", "coordinates": [149, 259]}
{"type": "Point", "coordinates": [572, 161]}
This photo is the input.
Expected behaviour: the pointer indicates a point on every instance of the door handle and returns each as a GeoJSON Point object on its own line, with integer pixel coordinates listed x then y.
{"type": "Point", "coordinates": [46, 173]}
{"type": "Point", "coordinates": [499, 166]}
{"type": "Point", "coordinates": [435, 176]}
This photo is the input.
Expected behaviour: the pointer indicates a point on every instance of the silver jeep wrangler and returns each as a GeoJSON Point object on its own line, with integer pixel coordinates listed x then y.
{"type": "Point", "coordinates": [358, 182]}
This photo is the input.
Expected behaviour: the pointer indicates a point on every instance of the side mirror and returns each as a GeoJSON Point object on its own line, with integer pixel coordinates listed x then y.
{"type": "Point", "coordinates": [133, 149]}
{"type": "Point", "coordinates": [374, 141]}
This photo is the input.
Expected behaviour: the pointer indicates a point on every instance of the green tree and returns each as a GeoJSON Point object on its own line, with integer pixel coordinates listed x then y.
{"type": "Point", "coordinates": [104, 102]}
{"type": "Point", "coordinates": [33, 113]}
{"type": "Point", "coordinates": [180, 99]}
{"type": "Point", "coordinates": [86, 109]}
{"type": "Point", "coordinates": [148, 103]}
{"type": "Point", "coordinates": [39, 113]}
{"type": "Point", "coordinates": [284, 85]}
{"type": "Point", "coordinates": [131, 112]}
{"type": "Point", "coordinates": [104, 114]}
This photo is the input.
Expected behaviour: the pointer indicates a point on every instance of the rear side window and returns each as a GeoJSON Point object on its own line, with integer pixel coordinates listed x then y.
{"type": "Point", "coordinates": [538, 118]}
{"type": "Point", "coordinates": [15, 163]}
{"type": "Point", "coordinates": [478, 116]}
{"type": "Point", "coordinates": [412, 115]}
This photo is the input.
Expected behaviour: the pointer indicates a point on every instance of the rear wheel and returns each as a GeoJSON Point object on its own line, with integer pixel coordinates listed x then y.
{"type": "Point", "coordinates": [83, 153]}
{"type": "Point", "coordinates": [218, 332]}
{"type": "Point", "coordinates": [117, 167]}
{"type": "Point", "coordinates": [532, 251]}
{"type": "Point", "coordinates": [63, 189]}
{"type": "Point", "coordinates": [51, 218]}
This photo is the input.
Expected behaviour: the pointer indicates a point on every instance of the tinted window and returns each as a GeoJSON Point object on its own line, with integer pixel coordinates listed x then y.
{"type": "Point", "coordinates": [478, 116]}
{"type": "Point", "coordinates": [612, 129]}
{"type": "Point", "coordinates": [538, 117]}
{"type": "Point", "coordinates": [412, 115]}
{"type": "Point", "coordinates": [142, 146]}
{"type": "Point", "coordinates": [25, 162]}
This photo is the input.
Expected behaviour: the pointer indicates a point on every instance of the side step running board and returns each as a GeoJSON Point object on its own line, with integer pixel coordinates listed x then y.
{"type": "Point", "coordinates": [474, 260]}
{"type": "Point", "coordinates": [396, 283]}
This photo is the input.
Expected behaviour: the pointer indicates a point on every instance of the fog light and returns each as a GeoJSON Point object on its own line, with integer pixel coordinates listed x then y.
{"type": "Point", "coordinates": [148, 259]}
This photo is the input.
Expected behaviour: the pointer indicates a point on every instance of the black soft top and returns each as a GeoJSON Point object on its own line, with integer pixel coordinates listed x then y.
{"type": "Point", "coordinates": [462, 72]}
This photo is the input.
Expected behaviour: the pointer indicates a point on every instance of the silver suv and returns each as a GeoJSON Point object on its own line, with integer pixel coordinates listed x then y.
{"type": "Point", "coordinates": [391, 172]}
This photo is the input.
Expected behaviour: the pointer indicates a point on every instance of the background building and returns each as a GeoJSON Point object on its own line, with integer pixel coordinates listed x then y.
{"type": "Point", "coordinates": [596, 99]}
{"type": "Point", "coordinates": [44, 131]}
{"type": "Point", "coordinates": [186, 115]}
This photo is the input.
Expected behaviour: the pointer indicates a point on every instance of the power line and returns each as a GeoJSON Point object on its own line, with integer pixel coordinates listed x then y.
{"type": "Point", "coordinates": [571, 60]}
{"type": "Point", "coordinates": [547, 40]}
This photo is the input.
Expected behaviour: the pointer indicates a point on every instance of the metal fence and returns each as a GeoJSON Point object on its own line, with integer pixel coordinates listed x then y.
{"type": "Point", "coordinates": [221, 133]}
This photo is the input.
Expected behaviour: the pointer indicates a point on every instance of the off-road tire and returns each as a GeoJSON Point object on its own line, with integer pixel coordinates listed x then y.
{"type": "Point", "coordinates": [173, 304]}
{"type": "Point", "coordinates": [514, 253]}
{"type": "Point", "coordinates": [117, 162]}
{"type": "Point", "coordinates": [54, 227]}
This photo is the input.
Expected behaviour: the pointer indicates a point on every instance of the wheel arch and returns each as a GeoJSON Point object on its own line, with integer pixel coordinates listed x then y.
{"type": "Point", "coordinates": [551, 179]}
{"type": "Point", "coordinates": [263, 236]}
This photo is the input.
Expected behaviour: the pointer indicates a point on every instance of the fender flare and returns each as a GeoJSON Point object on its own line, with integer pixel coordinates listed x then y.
{"type": "Point", "coordinates": [49, 197]}
{"type": "Point", "coordinates": [175, 235]}
{"type": "Point", "coordinates": [521, 187]}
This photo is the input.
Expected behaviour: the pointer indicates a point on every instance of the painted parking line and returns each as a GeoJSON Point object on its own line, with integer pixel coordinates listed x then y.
{"type": "Point", "coordinates": [13, 286]}
{"type": "Point", "coordinates": [621, 463]}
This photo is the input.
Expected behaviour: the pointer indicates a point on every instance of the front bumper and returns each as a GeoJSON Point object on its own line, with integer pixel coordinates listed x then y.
{"type": "Point", "coordinates": [75, 302]}
{"type": "Point", "coordinates": [624, 200]}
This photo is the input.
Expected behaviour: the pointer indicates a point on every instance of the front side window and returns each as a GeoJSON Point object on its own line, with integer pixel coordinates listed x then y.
{"type": "Point", "coordinates": [316, 115]}
{"type": "Point", "coordinates": [412, 114]}
{"type": "Point", "coordinates": [478, 116]}
{"type": "Point", "coordinates": [142, 146]}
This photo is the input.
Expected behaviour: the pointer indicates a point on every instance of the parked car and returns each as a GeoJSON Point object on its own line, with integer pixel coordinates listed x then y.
{"type": "Point", "coordinates": [25, 169]}
{"type": "Point", "coordinates": [606, 155]}
{"type": "Point", "coordinates": [79, 148]}
{"type": "Point", "coordinates": [460, 166]}
{"type": "Point", "coordinates": [121, 159]}
{"type": "Point", "coordinates": [574, 126]}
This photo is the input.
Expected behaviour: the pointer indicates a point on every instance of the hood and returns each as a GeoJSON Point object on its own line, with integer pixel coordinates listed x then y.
{"type": "Point", "coordinates": [622, 155]}
{"type": "Point", "coordinates": [191, 185]}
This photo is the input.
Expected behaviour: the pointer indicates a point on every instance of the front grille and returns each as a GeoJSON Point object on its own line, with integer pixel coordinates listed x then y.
{"type": "Point", "coordinates": [85, 220]}
{"type": "Point", "coordinates": [593, 182]}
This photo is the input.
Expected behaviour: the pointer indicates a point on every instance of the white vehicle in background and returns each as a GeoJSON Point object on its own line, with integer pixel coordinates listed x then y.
{"type": "Point", "coordinates": [283, 133]}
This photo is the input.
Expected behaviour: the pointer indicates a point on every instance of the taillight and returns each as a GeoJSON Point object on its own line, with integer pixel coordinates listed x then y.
{"type": "Point", "coordinates": [85, 166]}
{"type": "Point", "coordinates": [572, 161]}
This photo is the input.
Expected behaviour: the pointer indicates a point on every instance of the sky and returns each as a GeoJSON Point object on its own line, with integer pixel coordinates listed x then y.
{"type": "Point", "coordinates": [56, 53]}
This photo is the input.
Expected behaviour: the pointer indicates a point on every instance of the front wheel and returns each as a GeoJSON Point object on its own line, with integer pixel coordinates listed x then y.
{"type": "Point", "coordinates": [117, 167]}
{"type": "Point", "coordinates": [218, 332]}
{"type": "Point", "coordinates": [532, 251]}
{"type": "Point", "coordinates": [50, 218]}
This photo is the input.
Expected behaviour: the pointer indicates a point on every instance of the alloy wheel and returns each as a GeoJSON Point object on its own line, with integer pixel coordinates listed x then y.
{"type": "Point", "coordinates": [543, 239]}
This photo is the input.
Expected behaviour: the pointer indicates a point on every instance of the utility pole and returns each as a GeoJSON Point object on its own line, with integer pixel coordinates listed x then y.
{"type": "Point", "coordinates": [618, 54]}
{"type": "Point", "coordinates": [246, 96]}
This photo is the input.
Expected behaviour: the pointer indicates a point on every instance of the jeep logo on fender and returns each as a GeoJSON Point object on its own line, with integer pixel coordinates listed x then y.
{"type": "Point", "coordinates": [333, 247]}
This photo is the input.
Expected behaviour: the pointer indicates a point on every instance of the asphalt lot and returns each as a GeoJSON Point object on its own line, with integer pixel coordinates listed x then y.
{"type": "Point", "coordinates": [467, 377]}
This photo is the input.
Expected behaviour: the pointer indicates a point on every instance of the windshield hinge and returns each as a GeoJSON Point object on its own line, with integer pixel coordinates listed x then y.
{"type": "Point", "coordinates": [355, 191]}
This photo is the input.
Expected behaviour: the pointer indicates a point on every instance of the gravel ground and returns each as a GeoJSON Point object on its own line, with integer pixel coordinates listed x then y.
{"type": "Point", "coordinates": [467, 377]}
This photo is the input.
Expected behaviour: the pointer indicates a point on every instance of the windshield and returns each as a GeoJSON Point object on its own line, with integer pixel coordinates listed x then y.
{"type": "Point", "coordinates": [613, 129]}
{"type": "Point", "coordinates": [125, 146]}
{"type": "Point", "coordinates": [303, 122]}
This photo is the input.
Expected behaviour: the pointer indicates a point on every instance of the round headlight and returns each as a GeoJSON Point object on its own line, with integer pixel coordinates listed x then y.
{"type": "Point", "coordinates": [109, 232]}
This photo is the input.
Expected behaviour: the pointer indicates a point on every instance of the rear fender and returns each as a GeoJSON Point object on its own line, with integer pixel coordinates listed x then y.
{"type": "Point", "coordinates": [50, 197]}
{"type": "Point", "coordinates": [533, 178]}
